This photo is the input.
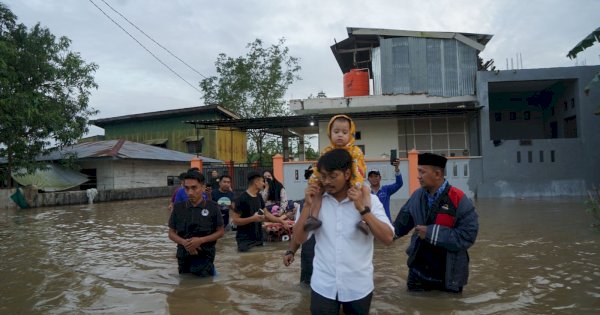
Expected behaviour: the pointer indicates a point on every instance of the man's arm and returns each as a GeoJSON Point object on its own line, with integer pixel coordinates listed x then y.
{"type": "Point", "coordinates": [393, 188]}
{"type": "Point", "coordinates": [380, 229]}
{"type": "Point", "coordinates": [300, 235]}
{"type": "Point", "coordinates": [239, 221]}
{"type": "Point", "coordinates": [404, 221]}
{"type": "Point", "coordinates": [459, 237]}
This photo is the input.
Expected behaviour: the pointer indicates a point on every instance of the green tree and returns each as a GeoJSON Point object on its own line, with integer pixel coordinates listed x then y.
{"type": "Point", "coordinates": [588, 41]}
{"type": "Point", "coordinates": [253, 85]}
{"type": "Point", "coordinates": [44, 93]}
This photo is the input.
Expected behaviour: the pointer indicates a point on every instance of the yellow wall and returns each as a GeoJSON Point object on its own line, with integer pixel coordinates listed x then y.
{"type": "Point", "coordinates": [231, 145]}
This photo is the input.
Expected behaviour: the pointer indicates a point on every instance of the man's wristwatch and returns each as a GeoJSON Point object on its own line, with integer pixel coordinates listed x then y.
{"type": "Point", "coordinates": [289, 252]}
{"type": "Point", "coordinates": [365, 211]}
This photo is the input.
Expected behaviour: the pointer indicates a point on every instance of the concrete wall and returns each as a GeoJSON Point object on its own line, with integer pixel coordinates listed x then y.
{"type": "Point", "coordinates": [575, 167]}
{"type": "Point", "coordinates": [79, 197]}
{"type": "Point", "coordinates": [467, 176]}
{"type": "Point", "coordinates": [122, 174]}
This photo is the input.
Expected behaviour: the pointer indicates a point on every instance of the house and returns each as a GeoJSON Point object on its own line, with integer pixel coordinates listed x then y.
{"type": "Point", "coordinates": [166, 129]}
{"type": "Point", "coordinates": [121, 164]}
{"type": "Point", "coordinates": [516, 133]}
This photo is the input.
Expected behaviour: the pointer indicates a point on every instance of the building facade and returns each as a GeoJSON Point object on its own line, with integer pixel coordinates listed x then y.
{"type": "Point", "coordinates": [166, 129]}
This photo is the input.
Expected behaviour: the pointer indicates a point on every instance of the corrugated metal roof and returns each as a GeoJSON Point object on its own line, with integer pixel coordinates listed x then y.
{"type": "Point", "coordinates": [121, 149]}
{"type": "Point", "coordinates": [165, 113]}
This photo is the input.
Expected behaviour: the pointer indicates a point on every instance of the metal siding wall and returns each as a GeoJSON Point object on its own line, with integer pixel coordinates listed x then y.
{"type": "Point", "coordinates": [438, 67]}
{"type": "Point", "coordinates": [467, 69]}
{"type": "Point", "coordinates": [376, 66]}
{"type": "Point", "coordinates": [450, 68]}
{"type": "Point", "coordinates": [435, 84]}
{"type": "Point", "coordinates": [418, 64]}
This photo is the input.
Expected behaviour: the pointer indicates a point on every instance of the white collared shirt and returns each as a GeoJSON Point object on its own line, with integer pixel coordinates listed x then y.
{"type": "Point", "coordinates": [343, 263]}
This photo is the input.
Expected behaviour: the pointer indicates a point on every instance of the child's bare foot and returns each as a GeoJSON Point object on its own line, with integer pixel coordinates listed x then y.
{"type": "Point", "coordinates": [363, 227]}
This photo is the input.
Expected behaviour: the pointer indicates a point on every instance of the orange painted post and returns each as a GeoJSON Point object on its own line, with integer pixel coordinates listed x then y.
{"type": "Point", "coordinates": [413, 171]}
{"type": "Point", "coordinates": [230, 171]}
{"type": "Point", "coordinates": [278, 167]}
{"type": "Point", "coordinates": [196, 162]}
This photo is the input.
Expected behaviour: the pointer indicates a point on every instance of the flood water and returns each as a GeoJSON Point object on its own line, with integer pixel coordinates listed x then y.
{"type": "Point", "coordinates": [533, 256]}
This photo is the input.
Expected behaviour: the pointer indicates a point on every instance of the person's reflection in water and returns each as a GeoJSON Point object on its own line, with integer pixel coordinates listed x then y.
{"type": "Point", "coordinates": [196, 225]}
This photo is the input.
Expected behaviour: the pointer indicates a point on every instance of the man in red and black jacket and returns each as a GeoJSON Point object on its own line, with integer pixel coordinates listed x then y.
{"type": "Point", "coordinates": [445, 226]}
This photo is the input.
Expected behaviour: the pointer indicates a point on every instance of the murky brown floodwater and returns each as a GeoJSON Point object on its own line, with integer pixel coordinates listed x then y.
{"type": "Point", "coordinates": [531, 257]}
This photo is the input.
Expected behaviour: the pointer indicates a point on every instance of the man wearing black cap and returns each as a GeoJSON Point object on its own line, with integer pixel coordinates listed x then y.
{"type": "Point", "coordinates": [445, 226]}
{"type": "Point", "coordinates": [385, 193]}
{"type": "Point", "coordinates": [249, 214]}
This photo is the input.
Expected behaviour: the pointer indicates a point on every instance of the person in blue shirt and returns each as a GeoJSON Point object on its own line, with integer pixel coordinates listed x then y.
{"type": "Point", "coordinates": [385, 193]}
{"type": "Point", "coordinates": [181, 195]}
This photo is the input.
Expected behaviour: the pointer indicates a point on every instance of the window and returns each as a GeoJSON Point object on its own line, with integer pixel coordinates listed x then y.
{"type": "Point", "coordinates": [571, 127]}
{"type": "Point", "coordinates": [498, 116]}
{"type": "Point", "coordinates": [513, 116]}
{"type": "Point", "coordinates": [566, 106]}
{"type": "Point", "coordinates": [552, 157]}
{"type": "Point", "coordinates": [529, 156]}
{"type": "Point", "coordinates": [572, 102]}
{"type": "Point", "coordinates": [541, 156]}
{"type": "Point", "coordinates": [92, 178]}
{"type": "Point", "coordinates": [527, 115]}
{"type": "Point", "coordinates": [518, 156]}
{"type": "Point", "coordinates": [357, 135]}
{"type": "Point", "coordinates": [194, 146]}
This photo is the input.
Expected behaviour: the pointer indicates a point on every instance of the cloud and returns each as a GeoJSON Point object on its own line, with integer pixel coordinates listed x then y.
{"type": "Point", "coordinates": [132, 81]}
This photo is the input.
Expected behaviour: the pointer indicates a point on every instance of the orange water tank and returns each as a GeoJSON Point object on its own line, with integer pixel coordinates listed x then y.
{"type": "Point", "coordinates": [356, 82]}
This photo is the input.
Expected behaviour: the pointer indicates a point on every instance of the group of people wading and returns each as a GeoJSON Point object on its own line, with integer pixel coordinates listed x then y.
{"type": "Point", "coordinates": [340, 217]}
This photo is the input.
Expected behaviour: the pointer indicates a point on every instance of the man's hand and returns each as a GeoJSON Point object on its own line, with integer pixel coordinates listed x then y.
{"type": "Point", "coordinates": [311, 191]}
{"type": "Point", "coordinates": [356, 194]}
{"type": "Point", "coordinates": [396, 164]}
{"type": "Point", "coordinates": [288, 259]}
{"type": "Point", "coordinates": [192, 244]}
{"type": "Point", "coordinates": [258, 217]}
{"type": "Point", "coordinates": [422, 230]}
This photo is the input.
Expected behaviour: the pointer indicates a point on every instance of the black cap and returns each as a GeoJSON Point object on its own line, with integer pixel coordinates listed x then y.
{"type": "Point", "coordinates": [252, 175]}
{"type": "Point", "coordinates": [373, 171]}
{"type": "Point", "coordinates": [432, 159]}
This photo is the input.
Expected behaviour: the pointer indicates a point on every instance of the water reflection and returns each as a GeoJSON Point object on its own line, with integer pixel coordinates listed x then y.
{"type": "Point", "coordinates": [531, 257]}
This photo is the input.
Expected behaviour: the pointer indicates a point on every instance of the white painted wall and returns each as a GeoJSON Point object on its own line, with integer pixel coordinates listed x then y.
{"type": "Point", "coordinates": [378, 136]}
{"type": "Point", "coordinates": [121, 174]}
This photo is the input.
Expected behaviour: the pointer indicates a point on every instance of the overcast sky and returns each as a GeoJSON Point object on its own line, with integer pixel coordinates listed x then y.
{"type": "Point", "coordinates": [131, 81]}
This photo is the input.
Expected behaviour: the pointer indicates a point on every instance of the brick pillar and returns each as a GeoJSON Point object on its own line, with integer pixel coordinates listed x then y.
{"type": "Point", "coordinates": [413, 171]}
{"type": "Point", "coordinates": [278, 167]}
{"type": "Point", "coordinates": [196, 162]}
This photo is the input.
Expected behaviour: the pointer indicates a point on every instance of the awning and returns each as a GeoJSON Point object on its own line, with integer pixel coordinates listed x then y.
{"type": "Point", "coordinates": [53, 178]}
{"type": "Point", "coordinates": [156, 141]}
{"type": "Point", "coordinates": [193, 138]}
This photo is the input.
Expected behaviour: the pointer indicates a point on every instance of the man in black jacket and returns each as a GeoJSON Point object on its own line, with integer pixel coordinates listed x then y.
{"type": "Point", "coordinates": [445, 224]}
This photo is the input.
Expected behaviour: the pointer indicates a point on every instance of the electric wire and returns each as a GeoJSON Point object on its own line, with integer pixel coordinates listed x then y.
{"type": "Point", "coordinates": [152, 39]}
{"type": "Point", "coordinates": [145, 48]}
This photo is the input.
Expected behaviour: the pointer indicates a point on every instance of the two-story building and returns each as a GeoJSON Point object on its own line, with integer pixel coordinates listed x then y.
{"type": "Point", "coordinates": [522, 132]}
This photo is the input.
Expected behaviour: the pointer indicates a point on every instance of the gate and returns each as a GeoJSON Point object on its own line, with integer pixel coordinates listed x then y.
{"type": "Point", "coordinates": [238, 172]}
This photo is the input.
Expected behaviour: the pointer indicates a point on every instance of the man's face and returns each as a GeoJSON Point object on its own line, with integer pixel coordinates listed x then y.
{"type": "Point", "coordinates": [259, 183]}
{"type": "Point", "coordinates": [335, 181]}
{"type": "Point", "coordinates": [214, 174]}
{"type": "Point", "coordinates": [225, 184]}
{"type": "Point", "coordinates": [340, 132]}
{"type": "Point", "coordinates": [374, 179]}
{"type": "Point", "coordinates": [428, 176]}
{"type": "Point", "coordinates": [193, 189]}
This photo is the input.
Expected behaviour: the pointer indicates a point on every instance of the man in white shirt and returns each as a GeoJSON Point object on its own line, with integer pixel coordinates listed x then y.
{"type": "Point", "coordinates": [343, 263]}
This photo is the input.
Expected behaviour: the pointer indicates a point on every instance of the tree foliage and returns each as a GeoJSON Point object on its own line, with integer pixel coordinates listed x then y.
{"type": "Point", "coordinates": [588, 41]}
{"type": "Point", "coordinates": [44, 92]}
{"type": "Point", "coordinates": [253, 85]}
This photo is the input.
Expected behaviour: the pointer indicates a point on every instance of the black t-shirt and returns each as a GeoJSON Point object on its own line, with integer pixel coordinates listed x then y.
{"type": "Point", "coordinates": [223, 199]}
{"type": "Point", "coordinates": [189, 221]}
{"type": "Point", "coordinates": [246, 206]}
